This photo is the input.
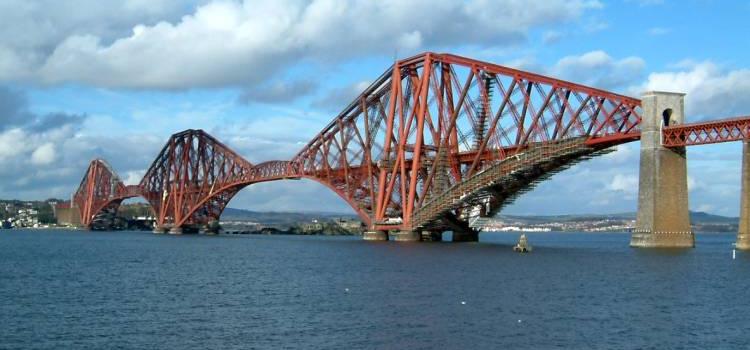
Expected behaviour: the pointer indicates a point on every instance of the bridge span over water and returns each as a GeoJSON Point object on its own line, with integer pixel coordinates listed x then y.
{"type": "Point", "coordinates": [437, 141]}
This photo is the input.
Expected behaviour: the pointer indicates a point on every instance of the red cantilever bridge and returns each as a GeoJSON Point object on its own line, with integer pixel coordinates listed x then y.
{"type": "Point", "coordinates": [435, 141]}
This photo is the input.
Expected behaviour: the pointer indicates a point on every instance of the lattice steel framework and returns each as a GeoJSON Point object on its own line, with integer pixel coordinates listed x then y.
{"type": "Point", "coordinates": [434, 120]}
{"type": "Point", "coordinates": [100, 189]}
{"type": "Point", "coordinates": [715, 131]}
{"type": "Point", "coordinates": [193, 178]}
{"type": "Point", "coordinates": [435, 140]}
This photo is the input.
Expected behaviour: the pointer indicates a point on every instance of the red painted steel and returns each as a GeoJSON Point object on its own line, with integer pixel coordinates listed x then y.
{"type": "Point", "coordinates": [433, 120]}
{"type": "Point", "coordinates": [428, 124]}
{"type": "Point", "coordinates": [193, 178]}
{"type": "Point", "coordinates": [715, 131]}
{"type": "Point", "coordinates": [100, 188]}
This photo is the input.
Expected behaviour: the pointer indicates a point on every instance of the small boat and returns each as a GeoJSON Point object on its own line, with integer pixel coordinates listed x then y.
{"type": "Point", "coordinates": [523, 245]}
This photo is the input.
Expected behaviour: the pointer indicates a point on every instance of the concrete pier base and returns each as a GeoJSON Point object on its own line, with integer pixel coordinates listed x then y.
{"type": "Point", "coordinates": [662, 239]}
{"type": "Point", "coordinates": [159, 230]}
{"type": "Point", "coordinates": [663, 219]}
{"type": "Point", "coordinates": [175, 231]}
{"type": "Point", "coordinates": [407, 236]}
{"type": "Point", "coordinates": [743, 241]}
{"type": "Point", "coordinates": [432, 236]}
{"type": "Point", "coordinates": [375, 236]}
{"type": "Point", "coordinates": [743, 232]}
{"type": "Point", "coordinates": [212, 228]}
{"type": "Point", "coordinates": [465, 236]}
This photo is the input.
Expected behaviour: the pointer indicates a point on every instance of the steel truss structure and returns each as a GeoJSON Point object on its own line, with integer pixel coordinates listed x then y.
{"type": "Point", "coordinates": [715, 131]}
{"type": "Point", "coordinates": [436, 140]}
{"type": "Point", "coordinates": [101, 190]}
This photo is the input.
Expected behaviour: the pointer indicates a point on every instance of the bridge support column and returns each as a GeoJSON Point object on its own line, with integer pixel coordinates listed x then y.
{"type": "Point", "coordinates": [663, 219]}
{"type": "Point", "coordinates": [466, 236]}
{"type": "Point", "coordinates": [408, 236]}
{"type": "Point", "coordinates": [375, 235]}
{"type": "Point", "coordinates": [743, 233]}
{"type": "Point", "coordinates": [159, 230]}
{"type": "Point", "coordinates": [176, 230]}
{"type": "Point", "coordinates": [212, 228]}
{"type": "Point", "coordinates": [432, 236]}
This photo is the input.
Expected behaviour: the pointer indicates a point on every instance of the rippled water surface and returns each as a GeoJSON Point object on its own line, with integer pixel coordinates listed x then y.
{"type": "Point", "coordinates": [98, 290]}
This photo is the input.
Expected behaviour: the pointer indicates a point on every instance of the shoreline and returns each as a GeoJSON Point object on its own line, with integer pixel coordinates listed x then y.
{"type": "Point", "coordinates": [322, 233]}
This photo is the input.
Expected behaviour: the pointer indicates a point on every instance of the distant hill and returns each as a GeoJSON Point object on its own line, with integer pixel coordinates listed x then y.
{"type": "Point", "coordinates": [702, 217]}
{"type": "Point", "coordinates": [696, 217]}
{"type": "Point", "coordinates": [278, 218]}
{"type": "Point", "coordinates": [285, 218]}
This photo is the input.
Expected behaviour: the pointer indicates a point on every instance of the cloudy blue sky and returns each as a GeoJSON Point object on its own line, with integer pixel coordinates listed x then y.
{"type": "Point", "coordinates": [86, 78]}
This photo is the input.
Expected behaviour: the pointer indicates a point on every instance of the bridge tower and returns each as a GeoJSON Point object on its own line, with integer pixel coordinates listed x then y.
{"type": "Point", "coordinates": [663, 219]}
{"type": "Point", "coordinates": [743, 233]}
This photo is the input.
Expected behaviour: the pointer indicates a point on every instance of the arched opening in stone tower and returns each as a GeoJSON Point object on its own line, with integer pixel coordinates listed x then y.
{"type": "Point", "coordinates": [667, 115]}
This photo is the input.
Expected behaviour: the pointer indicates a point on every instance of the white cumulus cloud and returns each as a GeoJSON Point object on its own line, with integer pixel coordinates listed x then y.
{"type": "Point", "coordinates": [133, 177]}
{"type": "Point", "coordinates": [624, 183]}
{"type": "Point", "coordinates": [712, 91]}
{"type": "Point", "coordinates": [599, 69]}
{"type": "Point", "coordinates": [238, 43]}
{"type": "Point", "coordinates": [44, 154]}
{"type": "Point", "coordinates": [13, 142]}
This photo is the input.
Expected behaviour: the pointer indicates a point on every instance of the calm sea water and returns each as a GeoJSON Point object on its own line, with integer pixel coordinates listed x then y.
{"type": "Point", "coordinates": [106, 290]}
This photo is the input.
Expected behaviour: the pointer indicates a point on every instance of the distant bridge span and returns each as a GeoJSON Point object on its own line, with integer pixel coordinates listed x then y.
{"type": "Point", "coordinates": [434, 142]}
